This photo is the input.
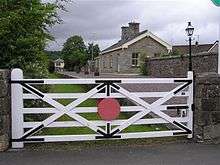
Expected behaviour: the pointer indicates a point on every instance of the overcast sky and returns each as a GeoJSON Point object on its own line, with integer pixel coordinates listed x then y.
{"type": "Point", "coordinates": [100, 21]}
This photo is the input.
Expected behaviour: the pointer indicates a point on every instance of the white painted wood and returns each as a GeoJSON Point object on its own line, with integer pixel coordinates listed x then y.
{"type": "Point", "coordinates": [102, 95]}
{"type": "Point", "coordinates": [149, 108]}
{"type": "Point", "coordinates": [103, 123]}
{"type": "Point", "coordinates": [149, 134]}
{"type": "Point", "coordinates": [16, 108]}
{"type": "Point", "coordinates": [190, 103]}
{"type": "Point", "coordinates": [142, 108]}
{"type": "Point", "coordinates": [66, 110]}
{"type": "Point", "coordinates": [123, 80]}
{"type": "Point", "coordinates": [88, 137]}
{"type": "Point", "coordinates": [93, 109]}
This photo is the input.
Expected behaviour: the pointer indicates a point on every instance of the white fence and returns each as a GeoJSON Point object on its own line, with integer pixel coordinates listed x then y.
{"type": "Point", "coordinates": [25, 132]}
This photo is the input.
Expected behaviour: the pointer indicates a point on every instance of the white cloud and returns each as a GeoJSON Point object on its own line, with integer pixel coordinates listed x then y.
{"type": "Point", "coordinates": [100, 20]}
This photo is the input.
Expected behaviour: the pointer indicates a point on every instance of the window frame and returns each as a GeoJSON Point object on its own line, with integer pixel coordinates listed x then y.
{"type": "Point", "coordinates": [136, 59]}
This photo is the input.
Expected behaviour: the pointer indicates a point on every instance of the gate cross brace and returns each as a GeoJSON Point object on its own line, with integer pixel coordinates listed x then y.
{"type": "Point", "coordinates": [152, 107]}
{"type": "Point", "coordinates": [61, 110]}
{"type": "Point", "coordinates": [107, 84]}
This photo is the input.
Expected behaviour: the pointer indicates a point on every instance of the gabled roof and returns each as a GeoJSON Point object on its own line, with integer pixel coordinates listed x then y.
{"type": "Point", "coordinates": [184, 49]}
{"type": "Point", "coordinates": [125, 43]}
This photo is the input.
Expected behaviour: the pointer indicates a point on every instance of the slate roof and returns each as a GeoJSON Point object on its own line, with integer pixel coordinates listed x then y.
{"type": "Point", "coordinates": [121, 42]}
{"type": "Point", "coordinates": [184, 49]}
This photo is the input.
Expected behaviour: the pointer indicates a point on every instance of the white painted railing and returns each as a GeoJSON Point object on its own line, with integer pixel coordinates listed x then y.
{"type": "Point", "coordinates": [183, 124]}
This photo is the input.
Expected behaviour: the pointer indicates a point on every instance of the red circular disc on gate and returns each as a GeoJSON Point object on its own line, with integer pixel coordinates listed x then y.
{"type": "Point", "coordinates": [108, 109]}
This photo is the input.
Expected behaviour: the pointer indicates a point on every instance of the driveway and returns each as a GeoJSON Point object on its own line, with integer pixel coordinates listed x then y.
{"type": "Point", "coordinates": [167, 154]}
{"type": "Point", "coordinates": [102, 75]}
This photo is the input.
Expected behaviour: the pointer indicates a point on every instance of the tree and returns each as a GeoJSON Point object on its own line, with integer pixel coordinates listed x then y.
{"type": "Point", "coordinates": [93, 51]}
{"type": "Point", "coordinates": [74, 53]}
{"type": "Point", "coordinates": [53, 55]}
{"type": "Point", "coordinates": [24, 34]}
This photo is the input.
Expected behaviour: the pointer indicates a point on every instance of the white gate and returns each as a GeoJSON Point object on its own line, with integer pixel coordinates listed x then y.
{"type": "Point", "coordinates": [25, 132]}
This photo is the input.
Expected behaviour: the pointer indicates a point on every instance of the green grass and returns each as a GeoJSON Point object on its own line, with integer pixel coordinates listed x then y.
{"type": "Point", "coordinates": [88, 116]}
{"type": "Point", "coordinates": [66, 131]}
{"type": "Point", "coordinates": [54, 75]}
{"type": "Point", "coordinates": [85, 130]}
{"type": "Point", "coordinates": [64, 88]}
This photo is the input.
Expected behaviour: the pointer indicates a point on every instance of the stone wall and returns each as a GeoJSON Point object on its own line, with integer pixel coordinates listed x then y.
{"type": "Point", "coordinates": [4, 110]}
{"type": "Point", "coordinates": [207, 108]}
{"type": "Point", "coordinates": [178, 66]}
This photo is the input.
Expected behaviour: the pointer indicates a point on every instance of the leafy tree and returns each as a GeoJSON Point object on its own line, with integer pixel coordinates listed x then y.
{"type": "Point", "coordinates": [24, 34]}
{"type": "Point", "coordinates": [93, 51]}
{"type": "Point", "coordinates": [53, 55]}
{"type": "Point", "coordinates": [74, 53]}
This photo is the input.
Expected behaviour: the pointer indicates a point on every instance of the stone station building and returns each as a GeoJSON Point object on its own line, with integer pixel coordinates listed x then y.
{"type": "Point", "coordinates": [125, 55]}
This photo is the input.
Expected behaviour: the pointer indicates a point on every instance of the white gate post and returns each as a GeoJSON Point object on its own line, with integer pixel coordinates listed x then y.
{"type": "Point", "coordinates": [16, 108]}
{"type": "Point", "coordinates": [190, 103]}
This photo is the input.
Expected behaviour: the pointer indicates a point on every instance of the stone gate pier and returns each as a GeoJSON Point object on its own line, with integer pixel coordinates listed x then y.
{"type": "Point", "coordinates": [4, 109]}
{"type": "Point", "coordinates": [207, 108]}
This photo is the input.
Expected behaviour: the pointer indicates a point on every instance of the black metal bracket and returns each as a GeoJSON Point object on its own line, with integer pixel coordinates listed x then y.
{"type": "Point", "coordinates": [108, 84]}
{"type": "Point", "coordinates": [108, 135]}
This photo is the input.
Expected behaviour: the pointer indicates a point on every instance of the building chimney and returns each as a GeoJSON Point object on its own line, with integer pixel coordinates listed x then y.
{"type": "Point", "coordinates": [134, 28]}
{"type": "Point", "coordinates": [124, 33]}
{"type": "Point", "coordinates": [129, 31]}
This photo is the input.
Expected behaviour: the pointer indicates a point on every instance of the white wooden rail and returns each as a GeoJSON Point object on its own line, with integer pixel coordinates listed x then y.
{"type": "Point", "coordinates": [183, 124]}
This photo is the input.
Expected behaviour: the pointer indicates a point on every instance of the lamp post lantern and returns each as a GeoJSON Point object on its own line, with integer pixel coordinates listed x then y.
{"type": "Point", "coordinates": [189, 32]}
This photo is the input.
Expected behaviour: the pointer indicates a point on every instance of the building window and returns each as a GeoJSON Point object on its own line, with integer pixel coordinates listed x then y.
{"type": "Point", "coordinates": [110, 61]}
{"type": "Point", "coordinates": [135, 59]}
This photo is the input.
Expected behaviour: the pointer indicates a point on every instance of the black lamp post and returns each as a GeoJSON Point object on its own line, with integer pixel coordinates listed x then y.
{"type": "Point", "coordinates": [189, 32]}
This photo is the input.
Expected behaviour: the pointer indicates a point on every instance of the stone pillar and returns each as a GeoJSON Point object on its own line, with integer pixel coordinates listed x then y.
{"type": "Point", "coordinates": [207, 108]}
{"type": "Point", "coordinates": [4, 110]}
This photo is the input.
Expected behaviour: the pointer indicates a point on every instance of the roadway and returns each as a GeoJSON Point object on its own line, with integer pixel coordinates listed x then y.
{"type": "Point", "coordinates": [166, 154]}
